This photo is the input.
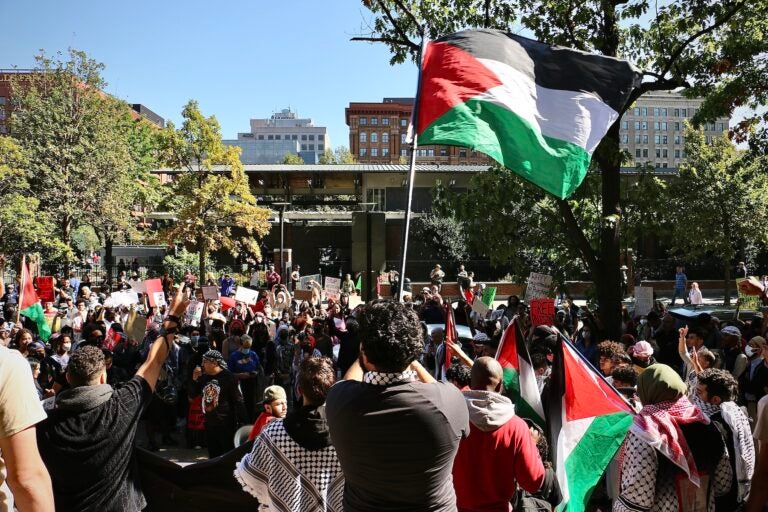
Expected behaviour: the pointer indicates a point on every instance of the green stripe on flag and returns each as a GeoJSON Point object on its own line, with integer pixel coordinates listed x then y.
{"type": "Point", "coordinates": [35, 313]}
{"type": "Point", "coordinates": [512, 390]}
{"type": "Point", "coordinates": [591, 455]}
{"type": "Point", "coordinates": [552, 164]}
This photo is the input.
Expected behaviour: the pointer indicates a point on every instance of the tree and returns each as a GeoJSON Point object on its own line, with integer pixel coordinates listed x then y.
{"type": "Point", "coordinates": [291, 159]}
{"type": "Point", "coordinates": [340, 155]}
{"type": "Point", "coordinates": [712, 48]}
{"type": "Point", "coordinates": [731, 188]}
{"type": "Point", "coordinates": [445, 235]}
{"type": "Point", "coordinates": [212, 202]}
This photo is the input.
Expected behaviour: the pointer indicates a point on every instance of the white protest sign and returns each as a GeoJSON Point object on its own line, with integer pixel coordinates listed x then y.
{"type": "Point", "coordinates": [126, 298]}
{"type": "Point", "coordinates": [480, 307]}
{"type": "Point", "coordinates": [304, 281]}
{"type": "Point", "coordinates": [194, 313]}
{"type": "Point", "coordinates": [643, 300]}
{"type": "Point", "coordinates": [538, 286]}
{"type": "Point", "coordinates": [354, 301]}
{"type": "Point", "coordinates": [210, 293]}
{"type": "Point", "coordinates": [246, 295]}
{"type": "Point", "coordinates": [332, 286]}
{"type": "Point", "coordinates": [137, 286]}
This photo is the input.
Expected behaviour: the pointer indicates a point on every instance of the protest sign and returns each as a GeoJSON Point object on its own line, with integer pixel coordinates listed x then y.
{"type": "Point", "coordinates": [538, 286]}
{"type": "Point", "coordinates": [489, 294]}
{"type": "Point", "coordinates": [246, 295]}
{"type": "Point", "coordinates": [300, 295]}
{"type": "Point", "coordinates": [643, 300]}
{"type": "Point", "coordinates": [194, 313]}
{"type": "Point", "coordinates": [354, 301]}
{"type": "Point", "coordinates": [123, 298]}
{"type": "Point", "coordinates": [210, 293]}
{"type": "Point", "coordinates": [137, 286]}
{"type": "Point", "coordinates": [332, 286]}
{"type": "Point", "coordinates": [155, 292]}
{"type": "Point", "coordinates": [135, 326]}
{"type": "Point", "coordinates": [480, 307]}
{"type": "Point", "coordinates": [542, 311]}
{"type": "Point", "coordinates": [748, 302]}
{"type": "Point", "coordinates": [45, 288]}
{"type": "Point", "coordinates": [304, 281]}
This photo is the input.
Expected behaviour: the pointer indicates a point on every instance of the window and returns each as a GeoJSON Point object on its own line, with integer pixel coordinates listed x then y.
{"type": "Point", "coordinates": [644, 125]}
{"type": "Point", "coordinates": [684, 112]}
{"type": "Point", "coordinates": [722, 127]}
{"type": "Point", "coordinates": [656, 112]}
{"type": "Point", "coordinates": [362, 151]}
{"type": "Point", "coordinates": [303, 147]}
{"type": "Point", "coordinates": [261, 137]}
{"type": "Point", "coordinates": [658, 165]}
{"type": "Point", "coordinates": [403, 152]}
{"type": "Point", "coordinates": [385, 121]}
{"type": "Point", "coordinates": [657, 139]}
{"type": "Point", "coordinates": [664, 126]}
{"type": "Point", "coordinates": [374, 137]}
{"type": "Point", "coordinates": [384, 151]}
{"type": "Point", "coordinates": [374, 120]}
{"type": "Point", "coordinates": [656, 125]}
{"type": "Point", "coordinates": [677, 112]}
{"type": "Point", "coordinates": [385, 137]}
{"type": "Point", "coordinates": [363, 137]}
{"type": "Point", "coordinates": [664, 112]}
{"type": "Point", "coordinates": [677, 127]}
{"type": "Point", "coordinates": [638, 153]}
{"type": "Point", "coordinates": [677, 153]}
{"type": "Point", "coordinates": [677, 139]}
{"type": "Point", "coordinates": [644, 111]}
{"type": "Point", "coordinates": [304, 137]}
{"type": "Point", "coordinates": [431, 152]}
{"type": "Point", "coordinates": [321, 147]}
{"type": "Point", "coordinates": [645, 139]}
{"type": "Point", "coordinates": [2, 100]}
{"type": "Point", "coordinates": [270, 137]}
{"type": "Point", "coordinates": [637, 125]}
{"type": "Point", "coordinates": [374, 152]}
{"type": "Point", "coordinates": [321, 137]}
{"type": "Point", "coordinates": [312, 137]}
{"type": "Point", "coordinates": [645, 153]}
{"type": "Point", "coordinates": [664, 165]}
{"type": "Point", "coordinates": [664, 139]}
{"type": "Point", "coordinates": [638, 138]}
{"type": "Point", "coordinates": [462, 153]}
{"type": "Point", "coordinates": [664, 154]}
{"type": "Point", "coordinates": [363, 120]}
{"type": "Point", "coordinates": [637, 111]}
{"type": "Point", "coordinates": [443, 152]}
{"type": "Point", "coordinates": [625, 125]}
{"type": "Point", "coordinates": [402, 138]}
{"type": "Point", "coordinates": [403, 123]}
{"type": "Point", "coordinates": [311, 147]}
{"type": "Point", "coordinates": [658, 153]}
{"type": "Point", "coordinates": [625, 138]}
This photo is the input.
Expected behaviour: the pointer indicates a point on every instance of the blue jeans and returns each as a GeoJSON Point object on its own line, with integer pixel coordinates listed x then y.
{"type": "Point", "coordinates": [681, 293]}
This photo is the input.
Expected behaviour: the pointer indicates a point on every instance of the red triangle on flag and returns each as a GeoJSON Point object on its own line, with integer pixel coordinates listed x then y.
{"type": "Point", "coordinates": [450, 333]}
{"type": "Point", "coordinates": [29, 295]}
{"type": "Point", "coordinates": [507, 353]}
{"type": "Point", "coordinates": [586, 394]}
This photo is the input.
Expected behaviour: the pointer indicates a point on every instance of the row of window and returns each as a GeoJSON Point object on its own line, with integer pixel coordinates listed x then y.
{"type": "Point", "coordinates": [659, 165]}
{"type": "Point", "coordinates": [660, 153]}
{"type": "Point", "coordinates": [374, 151]}
{"type": "Point", "coordinates": [664, 126]}
{"type": "Point", "coordinates": [311, 147]}
{"type": "Point", "coordinates": [311, 136]}
{"type": "Point", "coordinates": [663, 111]}
{"type": "Point", "coordinates": [375, 121]}
{"type": "Point", "coordinates": [375, 137]}
{"type": "Point", "coordinates": [657, 139]}
{"type": "Point", "coordinates": [419, 152]}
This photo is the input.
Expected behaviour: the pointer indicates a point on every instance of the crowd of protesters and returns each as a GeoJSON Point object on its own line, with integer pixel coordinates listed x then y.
{"type": "Point", "coordinates": [350, 406]}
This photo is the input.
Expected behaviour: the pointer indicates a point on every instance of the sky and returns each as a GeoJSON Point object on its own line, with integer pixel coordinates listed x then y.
{"type": "Point", "coordinates": [239, 60]}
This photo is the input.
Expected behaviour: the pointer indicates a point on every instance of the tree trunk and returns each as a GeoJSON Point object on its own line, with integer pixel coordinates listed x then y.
{"type": "Point", "coordinates": [202, 251]}
{"type": "Point", "coordinates": [66, 232]}
{"type": "Point", "coordinates": [727, 275]}
{"type": "Point", "coordinates": [108, 244]}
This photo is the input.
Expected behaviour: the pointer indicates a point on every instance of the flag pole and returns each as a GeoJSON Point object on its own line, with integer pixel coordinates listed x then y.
{"type": "Point", "coordinates": [21, 292]}
{"type": "Point", "coordinates": [411, 172]}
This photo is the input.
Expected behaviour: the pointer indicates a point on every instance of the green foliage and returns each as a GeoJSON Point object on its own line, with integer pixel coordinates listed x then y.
{"type": "Point", "coordinates": [213, 205]}
{"type": "Point", "coordinates": [291, 159]}
{"type": "Point", "coordinates": [340, 155]}
{"type": "Point", "coordinates": [85, 239]}
{"type": "Point", "coordinates": [184, 260]}
{"type": "Point", "coordinates": [445, 235]}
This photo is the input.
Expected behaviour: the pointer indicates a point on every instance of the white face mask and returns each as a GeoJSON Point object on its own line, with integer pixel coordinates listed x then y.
{"type": "Point", "coordinates": [749, 350]}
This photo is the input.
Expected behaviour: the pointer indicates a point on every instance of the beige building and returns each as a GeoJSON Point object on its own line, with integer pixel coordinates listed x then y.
{"type": "Point", "coordinates": [652, 131]}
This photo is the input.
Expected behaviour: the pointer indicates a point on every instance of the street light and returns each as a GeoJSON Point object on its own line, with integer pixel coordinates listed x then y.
{"type": "Point", "coordinates": [282, 206]}
{"type": "Point", "coordinates": [366, 284]}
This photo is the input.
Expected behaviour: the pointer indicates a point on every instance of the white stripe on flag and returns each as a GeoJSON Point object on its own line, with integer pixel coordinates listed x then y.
{"type": "Point", "coordinates": [571, 116]}
{"type": "Point", "coordinates": [529, 389]}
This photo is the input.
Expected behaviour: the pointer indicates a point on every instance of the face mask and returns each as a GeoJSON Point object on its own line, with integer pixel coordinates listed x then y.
{"type": "Point", "coordinates": [67, 347]}
{"type": "Point", "coordinates": [749, 350]}
{"type": "Point", "coordinates": [245, 351]}
{"type": "Point", "coordinates": [194, 339]}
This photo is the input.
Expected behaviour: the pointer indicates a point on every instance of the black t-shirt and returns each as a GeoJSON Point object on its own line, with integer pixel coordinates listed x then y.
{"type": "Point", "coordinates": [396, 444]}
{"type": "Point", "coordinates": [88, 450]}
{"type": "Point", "coordinates": [223, 404]}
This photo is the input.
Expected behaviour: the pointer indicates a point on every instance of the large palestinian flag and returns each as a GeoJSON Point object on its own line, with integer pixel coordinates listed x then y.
{"type": "Point", "coordinates": [519, 376]}
{"type": "Point", "coordinates": [30, 304]}
{"type": "Point", "coordinates": [588, 420]}
{"type": "Point", "coordinates": [538, 110]}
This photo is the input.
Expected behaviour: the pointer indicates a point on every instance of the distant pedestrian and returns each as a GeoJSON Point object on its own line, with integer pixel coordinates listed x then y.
{"type": "Point", "coordinates": [681, 284]}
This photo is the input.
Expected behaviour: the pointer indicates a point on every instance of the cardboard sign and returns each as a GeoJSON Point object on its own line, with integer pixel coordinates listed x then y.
{"type": "Point", "coordinates": [538, 286]}
{"type": "Point", "coordinates": [332, 287]}
{"type": "Point", "coordinates": [194, 313]}
{"type": "Point", "coordinates": [210, 293]}
{"type": "Point", "coordinates": [155, 293]}
{"type": "Point", "coordinates": [246, 295]}
{"type": "Point", "coordinates": [480, 307]}
{"type": "Point", "coordinates": [643, 300]}
{"type": "Point", "coordinates": [137, 286]}
{"type": "Point", "coordinates": [304, 281]}
{"type": "Point", "coordinates": [542, 311]}
{"type": "Point", "coordinates": [45, 288]}
{"type": "Point", "coordinates": [748, 302]}
{"type": "Point", "coordinates": [300, 295]}
{"type": "Point", "coordinates": [136, 326]}
{"type": "Point", "coordinates": [489, 294]}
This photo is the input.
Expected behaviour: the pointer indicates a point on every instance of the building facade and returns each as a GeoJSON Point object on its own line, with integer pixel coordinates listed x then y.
{"type": "Point", "coordinates": [378, 134]}
{"type": "Point", "coordinates": [653, 130]}
{"type": "Point", "coordinates": [270, 140]}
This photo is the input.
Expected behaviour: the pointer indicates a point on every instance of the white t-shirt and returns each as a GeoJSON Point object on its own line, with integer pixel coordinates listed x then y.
{"type": "Point", "coordinates": [20, 407]}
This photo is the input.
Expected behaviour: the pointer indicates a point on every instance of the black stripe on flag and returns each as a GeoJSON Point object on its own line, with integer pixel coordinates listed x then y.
{"type": "Point", "coordinates": [553, 67]}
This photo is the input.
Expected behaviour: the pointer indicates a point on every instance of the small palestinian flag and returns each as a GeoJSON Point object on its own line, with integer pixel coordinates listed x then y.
{"type": "Point", "coordinates": [450, 334]}
{"type": "Point", "coordinates": [30, 304]}
{"type": "Point", "coordinates": [588, 420]}
{"type": "Point", "coordinates": [519, 376]}
{"type": "Point", "coordinates": [538, 110]}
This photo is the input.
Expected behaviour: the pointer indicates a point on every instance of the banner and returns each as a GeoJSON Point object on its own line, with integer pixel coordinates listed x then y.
{"type": "Point", "coordinates": [304, 281]}
{"type": "Point", "coordinates": [210, 293]}
{"type": "Point", "coordinates": [332, 287]}
{"type": "Point", "coordinates": [542, 311]}
{"type": "Point", "coordinates": [538, 286]}
{"type": "Point", "coordinates": [246, 295]}
{"type": "Point", "coordinates": [45, 289]}
{"type": "Point", "coordinates": [489, 294]}
{"type": "Point", "coordinates": [155, 292]}
{"type": "Point", "coordinates": [748, 302]}
{"type": "Point", "coordinates": [480, 307]}
{"type": "Point", "coordinates": [643, 300]}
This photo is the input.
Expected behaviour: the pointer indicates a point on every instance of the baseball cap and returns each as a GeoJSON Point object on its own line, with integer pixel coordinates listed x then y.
{"type": "Point", "coordinates": [273, 393]}
{"type": "Point", "coordinates": [731, 330]}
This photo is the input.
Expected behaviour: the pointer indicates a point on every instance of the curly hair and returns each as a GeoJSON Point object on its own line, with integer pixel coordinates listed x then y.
{"type": "Point", "coordinates": [316, 376]}
{"type": "Point", "coordinates": [610, 349]}
{"type": "Point", "coordinates": [85, 365]}
{"type": "Point", "coordinates": [459, 373]}
{"type": "Point", "coordinates": [625, 374]}
{"type": "Point", "coordinates": [719, 383]}
{"type": "Point", "coordinates": [391, 336]}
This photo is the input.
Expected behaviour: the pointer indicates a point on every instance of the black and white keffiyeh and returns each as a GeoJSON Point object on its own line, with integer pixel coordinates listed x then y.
{"type": "Point", "coordinates": [385, 379]}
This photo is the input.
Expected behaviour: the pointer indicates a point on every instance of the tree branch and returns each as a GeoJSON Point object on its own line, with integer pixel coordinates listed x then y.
{"type": "Point", "coordinates": [717, 24]}
{"type": "Point", "coordinates": [408, 13]}
{"type": "Point", "coordinates": [576, 235]}
{"type": "Point", "coordinates": [390, 40]}
{"type": "Point", "coordinates": [395, 25]}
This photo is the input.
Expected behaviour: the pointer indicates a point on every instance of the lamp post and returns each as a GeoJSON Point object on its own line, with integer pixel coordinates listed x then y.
{"type": "Point", "coordinates": [366, 282]}
{"type": "Point", "coordinates": [283, 206]}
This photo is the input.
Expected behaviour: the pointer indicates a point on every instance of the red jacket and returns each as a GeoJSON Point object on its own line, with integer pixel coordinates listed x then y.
{"type": "Point", "coordinates": [490, 463]}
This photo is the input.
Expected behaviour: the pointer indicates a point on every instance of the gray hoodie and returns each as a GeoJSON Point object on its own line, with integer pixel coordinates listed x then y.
{"type": "Point", "coordinates": [488, 410]}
